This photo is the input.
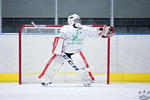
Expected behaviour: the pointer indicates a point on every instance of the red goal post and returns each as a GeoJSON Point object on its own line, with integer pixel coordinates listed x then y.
{"type": "Point", "coordinates": [57, 26]}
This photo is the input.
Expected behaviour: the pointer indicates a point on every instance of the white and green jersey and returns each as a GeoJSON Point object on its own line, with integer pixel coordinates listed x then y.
{"type": "Point", "coordinates": [74, 37]}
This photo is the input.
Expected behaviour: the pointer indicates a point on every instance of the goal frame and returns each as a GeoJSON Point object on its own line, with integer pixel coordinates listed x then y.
{"type": "Point", "coordinates": [20, 50]}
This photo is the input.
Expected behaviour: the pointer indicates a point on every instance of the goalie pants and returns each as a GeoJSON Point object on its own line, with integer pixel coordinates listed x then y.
{"type": "Point", "coordinates": [56, 62]}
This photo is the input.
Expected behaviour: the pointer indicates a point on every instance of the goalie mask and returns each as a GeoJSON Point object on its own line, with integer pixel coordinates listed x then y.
{"type": "Point", "coordinates": [74, 20]}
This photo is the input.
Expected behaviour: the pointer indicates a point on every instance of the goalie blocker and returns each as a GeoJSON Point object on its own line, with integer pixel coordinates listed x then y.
{"type": "Point", "coordinates": [58, 45]}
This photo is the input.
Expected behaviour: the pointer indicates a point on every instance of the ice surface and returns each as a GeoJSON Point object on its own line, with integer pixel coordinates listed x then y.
{"type": "Point", "coordinates": [72, 91]}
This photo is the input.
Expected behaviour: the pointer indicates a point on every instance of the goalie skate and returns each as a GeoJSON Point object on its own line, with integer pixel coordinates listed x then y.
{"type": "Point", "coordinates": [85, 77]}
{"type": "Point", "coordinates": [87, 83]}
{"type": "Point", "coordinates": [46, 84]}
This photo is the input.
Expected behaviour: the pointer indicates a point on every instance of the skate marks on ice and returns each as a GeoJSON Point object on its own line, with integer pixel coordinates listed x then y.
{"type": "Point", "coordinates": [73, 91]}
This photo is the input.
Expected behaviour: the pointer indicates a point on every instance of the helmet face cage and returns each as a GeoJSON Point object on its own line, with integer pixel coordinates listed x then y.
{"type": "Point", "coordinates": [77, 20]}
{"type": "Point", "coordinates": [72, 19]}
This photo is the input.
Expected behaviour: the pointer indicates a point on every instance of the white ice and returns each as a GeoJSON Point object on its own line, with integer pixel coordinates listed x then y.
{"type": "Point", "coordinates": [72, 91]}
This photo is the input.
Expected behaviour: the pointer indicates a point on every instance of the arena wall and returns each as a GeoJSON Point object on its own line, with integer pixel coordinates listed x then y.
{"type": "Point", "coordinates": [129, 56]}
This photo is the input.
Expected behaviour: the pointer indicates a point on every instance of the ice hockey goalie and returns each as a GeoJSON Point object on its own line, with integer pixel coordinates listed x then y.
{"type": "Point", "coordinates": [68, 47]}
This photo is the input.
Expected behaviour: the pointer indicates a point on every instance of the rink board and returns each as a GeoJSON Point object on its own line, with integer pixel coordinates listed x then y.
{"type": "Point", "coordinates": [114, 77]}
{"type": "Point", "coordinates": [129, 57]}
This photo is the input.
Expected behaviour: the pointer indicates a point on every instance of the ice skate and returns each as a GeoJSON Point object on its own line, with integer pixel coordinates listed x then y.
{"type": "Point", "coordinates": [46, 84]}
{"type": "Point", "coordinates": [87, 83]}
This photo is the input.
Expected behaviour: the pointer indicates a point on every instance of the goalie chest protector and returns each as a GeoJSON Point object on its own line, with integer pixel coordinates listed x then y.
{"type": "Point", "coordinates": [58, 45]}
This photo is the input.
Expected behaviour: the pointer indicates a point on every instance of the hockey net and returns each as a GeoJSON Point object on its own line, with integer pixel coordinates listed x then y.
{"type": "Point", "coordinates": [35, 49]}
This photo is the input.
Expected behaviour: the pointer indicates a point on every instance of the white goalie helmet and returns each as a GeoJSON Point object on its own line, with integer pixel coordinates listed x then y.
{"type": "Point", "coordinates": [74, 20]}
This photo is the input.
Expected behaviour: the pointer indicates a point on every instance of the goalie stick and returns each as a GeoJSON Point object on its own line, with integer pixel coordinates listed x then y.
{"type": "Point", "coordinates": [37, 27]}
{"type": "Point", "coordinates": [34, 24]}
{"type": "Point", "coordinates": [67, 59]}
{"type": "Point", "coordinates": [70, 62]}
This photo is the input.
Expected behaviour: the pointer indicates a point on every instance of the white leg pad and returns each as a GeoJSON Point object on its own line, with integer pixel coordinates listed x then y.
{"type": "Point", "coordinates": [55, 66]}
{"type": "Point", "coordinates": [83, 74]}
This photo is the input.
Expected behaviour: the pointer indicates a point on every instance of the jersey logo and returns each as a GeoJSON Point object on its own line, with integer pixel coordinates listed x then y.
{"type": "Point", "coordinates": [75, 38]}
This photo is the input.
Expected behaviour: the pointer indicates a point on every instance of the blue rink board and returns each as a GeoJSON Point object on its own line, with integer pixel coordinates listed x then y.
{"type": "Point", "coordinates": [56, 34]}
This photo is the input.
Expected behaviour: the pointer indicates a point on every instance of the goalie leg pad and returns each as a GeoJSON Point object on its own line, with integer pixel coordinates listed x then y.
{"type": "Point", "coordinates": [47, 65]}
{"type": "Point", "coordinates": [87, 65]}
{"type": "Point", "coordinates": [84, 71]}
{"type": "Point", "coordinates": [51, 71]}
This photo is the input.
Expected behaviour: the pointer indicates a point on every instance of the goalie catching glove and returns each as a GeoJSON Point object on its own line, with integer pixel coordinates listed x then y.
{"type": "Point", "coordinates": [107, 31]}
